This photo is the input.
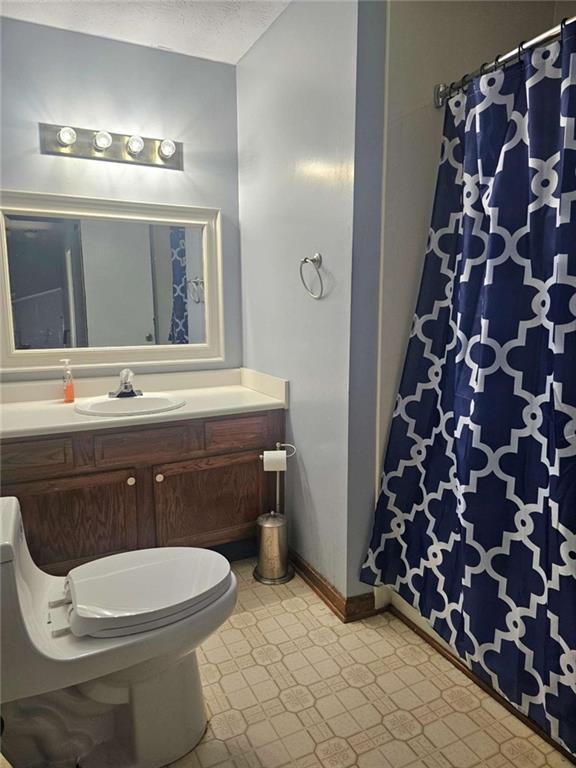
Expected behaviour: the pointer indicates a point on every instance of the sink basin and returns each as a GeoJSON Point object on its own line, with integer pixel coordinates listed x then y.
{"type": "Point", "coordinates": [129, 406]}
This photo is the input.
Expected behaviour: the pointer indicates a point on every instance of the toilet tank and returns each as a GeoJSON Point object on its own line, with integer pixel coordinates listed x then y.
{"type": "Point", "coordinates": [11, 532]}
{"type": "Point", "coordinates": [24, 601]}
{"type": "Point", "coordinates": [15, 556]}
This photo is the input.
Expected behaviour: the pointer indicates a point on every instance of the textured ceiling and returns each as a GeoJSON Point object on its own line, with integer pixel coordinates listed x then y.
{"type": "Point", "coordinates": [222, 30]}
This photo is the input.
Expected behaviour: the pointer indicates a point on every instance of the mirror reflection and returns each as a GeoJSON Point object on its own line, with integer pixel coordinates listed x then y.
{"type": "Point", "coordinates": [104, 283]}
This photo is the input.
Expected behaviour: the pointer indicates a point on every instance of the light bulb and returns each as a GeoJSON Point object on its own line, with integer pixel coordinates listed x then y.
{"type": "Point", "coordinates": [102, 140]}
{"type": "Point", "coordinates": [66, 136]}
{"type": "Point", "coordinates": [166, 149]}
{"type": "Point", "coordinates": [135, 145]}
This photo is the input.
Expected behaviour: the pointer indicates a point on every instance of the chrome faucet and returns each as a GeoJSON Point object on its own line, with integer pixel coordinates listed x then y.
{"type": "Point", "coordinates": [126, 388]}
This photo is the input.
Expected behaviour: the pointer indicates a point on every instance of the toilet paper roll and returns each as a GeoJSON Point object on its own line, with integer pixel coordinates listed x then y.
{"type": "Point", "coordinates": [274, 461]}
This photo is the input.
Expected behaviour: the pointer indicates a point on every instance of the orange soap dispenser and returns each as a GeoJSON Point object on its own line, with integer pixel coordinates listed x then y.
{"type": "Point", "coordinates": [68, 381]}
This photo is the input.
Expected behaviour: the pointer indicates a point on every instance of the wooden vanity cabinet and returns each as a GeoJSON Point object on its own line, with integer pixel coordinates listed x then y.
{"type": "Point", "coordinates": [190, 483]}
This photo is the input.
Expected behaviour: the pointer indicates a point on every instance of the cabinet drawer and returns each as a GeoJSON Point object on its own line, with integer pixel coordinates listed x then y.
{"type": "Point", "coordinates": [36, 458]}
{"type": "Point", "coordinates": [146, 446]}
{"type": "Point", "coordinates": [243, 432]}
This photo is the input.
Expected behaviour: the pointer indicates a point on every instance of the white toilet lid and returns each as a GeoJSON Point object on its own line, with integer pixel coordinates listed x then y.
{"type": "Point", "coordinates": [143, 589]}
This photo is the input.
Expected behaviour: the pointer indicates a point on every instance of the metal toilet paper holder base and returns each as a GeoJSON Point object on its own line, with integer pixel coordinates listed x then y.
{"type": "Point", "coordinates": [288, 576]}
{"type": "Point", "coordinates": [273, 566]}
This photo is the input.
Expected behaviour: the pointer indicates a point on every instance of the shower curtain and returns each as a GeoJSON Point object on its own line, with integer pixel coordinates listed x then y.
{"type": "Point", "coordinates": [476, 522]}
{"type": "Point", "coordinates": [179, 322]}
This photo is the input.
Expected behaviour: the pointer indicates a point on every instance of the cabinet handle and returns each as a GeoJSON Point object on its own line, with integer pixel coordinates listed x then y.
{"type": "Point", "coordinates": [131, 481]}
{"type": "Point", "coordinates": [159, 478]}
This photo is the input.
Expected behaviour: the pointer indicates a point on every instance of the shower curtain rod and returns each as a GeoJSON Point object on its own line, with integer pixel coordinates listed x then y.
{"type": "Point", "coordinates": [442, 91]}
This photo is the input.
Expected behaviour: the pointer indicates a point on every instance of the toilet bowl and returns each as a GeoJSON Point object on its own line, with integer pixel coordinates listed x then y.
{"type": "Point", "coordinates": [99, 667]}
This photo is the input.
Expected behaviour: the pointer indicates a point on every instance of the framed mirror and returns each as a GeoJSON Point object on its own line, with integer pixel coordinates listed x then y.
{"type": "Point", "coordinates": [106, 282]}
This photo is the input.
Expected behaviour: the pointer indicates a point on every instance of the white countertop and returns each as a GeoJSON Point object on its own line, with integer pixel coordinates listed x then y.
{"type": "Point", "coordinates": [247, 392]}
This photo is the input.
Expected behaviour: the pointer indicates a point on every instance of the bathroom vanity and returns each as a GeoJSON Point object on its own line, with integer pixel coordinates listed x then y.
{"type": "Point", "coordinates": [110, 284]}
{"type": "Point", "coordinates": [185, 478]}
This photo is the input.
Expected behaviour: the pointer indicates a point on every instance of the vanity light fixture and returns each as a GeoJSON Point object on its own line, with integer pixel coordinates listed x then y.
{"type": "Point", "coordinates": [135, 145]}
{"type": "Point", "coordinates": [166, 149]}
{"type": "Point", "coordinates": [97, 144]}
{"type": "Point", "coordinates": [102, 141]}
{"type": "Point", "coordinates": [66, 136]}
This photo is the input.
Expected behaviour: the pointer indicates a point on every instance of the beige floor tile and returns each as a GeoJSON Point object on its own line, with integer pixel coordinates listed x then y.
{"type": "Point", "coordinates": [439, 734]}
{"type": "Point", "coordinates": [351, 698]}
{"type": "Point", "coordinates": [273, 755]}
{"type": "Point", "coordinates": [372, 759]}
{"type": "Point", "coordinates": [306, 675]}
{"type": "Point", "coordinates": [366, 715]}
{"type": "Point", "coordinates": [390, 682]}
{"type": "Point", "coordinates": [402, 725]}
{"type": "Point", "coordinates": [406, 699]}
{"type": "Point", "coordinates": [344, 725]}
{"type": "Point", "coordinates": [241, 699]}
{"type": "Point", "coordinates": [261, 733]}
{"type": "Point", "coordinates": [297, 698]}
{"type": "Point", "coordinates": [286, 724]}
{"type": "Point", "coordinates": [399, 754]}
{"type": "Point", "coordinates": [266, 690]}
{"type": "Point", "coordinates": [460, 723]}
{"type": "Point", "coordinates": [426, 691]}
{"type": "Point", "coordinates": [299, 744]}
{"type": "Point", "coordinates": [330, 706]}
{"type": "Point", "coordinates": [460, 755]}
{"type": "Point", "coordinates": [482, 744]}
{"type": "Point", "coordinates": [336, 753]}
{"type": "Point", "coordinates": [288, 685]}
{"type": "Point", "coordinates": [232, 682]}
{"type": "Point", "coordinates": [212, 753]}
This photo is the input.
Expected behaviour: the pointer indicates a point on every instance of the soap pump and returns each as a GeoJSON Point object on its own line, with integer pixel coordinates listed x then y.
{"type": "Point", "coordinates": [68, 381]}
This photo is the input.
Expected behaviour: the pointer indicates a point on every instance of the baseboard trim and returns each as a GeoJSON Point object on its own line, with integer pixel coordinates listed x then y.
{"type": "Point", "coordinates": [346, 608]}
{"type": "Point", "coordinates": [461, 666]}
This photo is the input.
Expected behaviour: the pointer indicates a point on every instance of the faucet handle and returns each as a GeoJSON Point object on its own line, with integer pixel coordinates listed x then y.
{"type": "Point", "coordinates": [126, 389]}
{"type": "Point", "coordinates": [126, 376]}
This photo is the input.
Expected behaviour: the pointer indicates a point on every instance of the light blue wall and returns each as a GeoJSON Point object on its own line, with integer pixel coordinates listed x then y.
{"type": "Point", "coordinates": [55, 76]}
{"type": "Point", "coordinates": [296, 99]}
{"type": "Point", "coordinates": [310, 114]}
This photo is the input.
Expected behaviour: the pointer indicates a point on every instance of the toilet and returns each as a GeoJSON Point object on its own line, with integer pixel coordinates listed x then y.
{"type": "Point", "coordinates": [99, 667]}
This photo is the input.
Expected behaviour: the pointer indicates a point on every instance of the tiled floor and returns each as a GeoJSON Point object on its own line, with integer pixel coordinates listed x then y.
{"type": "Point", "coordinates": [288, 684]}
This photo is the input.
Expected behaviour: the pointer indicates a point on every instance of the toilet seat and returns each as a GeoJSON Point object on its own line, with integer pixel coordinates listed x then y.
{"type": "Point", "coordinates": [143, 589]}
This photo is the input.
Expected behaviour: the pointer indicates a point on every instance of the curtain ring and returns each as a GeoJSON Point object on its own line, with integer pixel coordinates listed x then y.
{"type": "Point", "coordinates": [465, 82]}
{"type": "Point", "coordinates": [520, 50]}
{"type": "Point", "coordinates": [497, 64]}
{"type": "Point", "coordinates": [562, 28]}
{"type": "Point", "coordinates": [451, 89]}
{"type": "Point", "coordinates": [483, 68]}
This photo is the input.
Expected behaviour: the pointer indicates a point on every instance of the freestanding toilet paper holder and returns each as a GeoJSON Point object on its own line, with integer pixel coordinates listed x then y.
{"type": "Point", "coordinates": [273, 566]}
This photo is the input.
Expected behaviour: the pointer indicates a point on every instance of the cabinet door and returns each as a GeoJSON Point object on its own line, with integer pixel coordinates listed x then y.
{"type": "Point", "coordinates": [208, 501]}
{"type": "Point", "coordinates": [73, 519]}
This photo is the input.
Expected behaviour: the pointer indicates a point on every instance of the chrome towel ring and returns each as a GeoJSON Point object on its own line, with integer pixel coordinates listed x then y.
{"type": "Point", "coordinates": [316, 262]}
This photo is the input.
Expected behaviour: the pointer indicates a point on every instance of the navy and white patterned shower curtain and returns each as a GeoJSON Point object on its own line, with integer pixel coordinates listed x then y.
{"type": "Point", "coordinates": [179, 322]}
{"type": "Point", "coordinates": [476, 523]}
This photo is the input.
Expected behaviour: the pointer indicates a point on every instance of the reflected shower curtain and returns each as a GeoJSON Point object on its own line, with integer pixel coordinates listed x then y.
{"type": "Point", "coordinates": [179, 322]}
{"type": "Point", "coordinates": [476, 523]}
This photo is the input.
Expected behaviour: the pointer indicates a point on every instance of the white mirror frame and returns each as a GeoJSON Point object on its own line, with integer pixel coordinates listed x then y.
{"type": "Point", "coordinates": [109, 358]}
